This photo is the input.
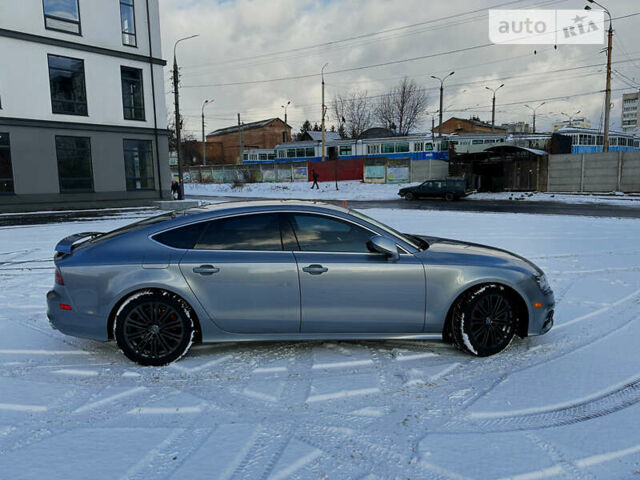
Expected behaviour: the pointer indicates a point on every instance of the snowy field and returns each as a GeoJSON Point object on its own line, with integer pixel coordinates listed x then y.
{"type": "Point", "coordinates": [357, 190]}
{"type": "Point", "coordinates": [564, 405]}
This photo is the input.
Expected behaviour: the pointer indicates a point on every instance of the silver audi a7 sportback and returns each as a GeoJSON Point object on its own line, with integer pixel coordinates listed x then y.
{"type": "Point", "coordinates": [285, 270]}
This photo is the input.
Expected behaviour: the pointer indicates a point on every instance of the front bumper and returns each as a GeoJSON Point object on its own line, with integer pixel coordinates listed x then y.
{"type": "Point", "coordinates": [71, 322]}
{"type": "Point", "coordinates": [541, 319]}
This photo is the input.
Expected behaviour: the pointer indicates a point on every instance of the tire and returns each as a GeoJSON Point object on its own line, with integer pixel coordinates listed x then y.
{"type": "Point", "coordinates": [483, 321]}
{"type": "Point", "coordinates": [154, 328]}
{"type": "Point", "coordinates": [410, 196]}
{"type": "Point", "coordinates": [449, 197]}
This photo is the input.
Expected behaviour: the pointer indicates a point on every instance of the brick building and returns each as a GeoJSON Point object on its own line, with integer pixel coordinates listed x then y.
{"type": "Point", "coordinates": [467, 125]}
{"type": "Point", "coordinates": [265, 134]}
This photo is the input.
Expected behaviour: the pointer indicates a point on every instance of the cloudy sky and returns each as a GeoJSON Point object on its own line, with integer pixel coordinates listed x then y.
{"type": "Point", "coordinates": [247, 52]}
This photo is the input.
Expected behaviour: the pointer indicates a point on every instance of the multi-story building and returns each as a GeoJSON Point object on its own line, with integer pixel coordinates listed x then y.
{"type": "Point", "coordinates": [82, 109]}
{"type": "Point", "coordinates": [577, 122]}
{"type": "Point", "coordinates": [630, 112]}
{"type": "Point", "coordinates": [467, 125]}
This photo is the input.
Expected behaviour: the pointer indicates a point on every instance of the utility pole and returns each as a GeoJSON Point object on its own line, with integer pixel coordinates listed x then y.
{"type": "Point", "coordinates": [441, 99]}
{"type": "Point", "coordinates": [204, 140]}
{"type": "Point", "coordinates": [534, 114]}
{"type": "Point", "coordinates": [285, 139]}
{"type": "Point", "coordinates": [176, 104]}
{"type": "Point", "coordinates": [240, 140]}
{"type": "Point", "coordinates": [607, 95]}
{"type": "Point", "coordinates": [493, 107]}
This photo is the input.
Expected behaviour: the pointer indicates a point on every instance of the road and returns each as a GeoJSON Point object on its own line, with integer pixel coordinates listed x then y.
{"type": "Point", "coordinates": [500, 206]}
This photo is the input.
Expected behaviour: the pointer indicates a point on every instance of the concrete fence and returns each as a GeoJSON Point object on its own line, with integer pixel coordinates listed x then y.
{"type": "Point", "coordinates": [594, 172]}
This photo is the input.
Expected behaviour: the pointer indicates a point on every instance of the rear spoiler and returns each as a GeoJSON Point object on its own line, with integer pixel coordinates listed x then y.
{"type": "Point", "coordinates": [65, 246]}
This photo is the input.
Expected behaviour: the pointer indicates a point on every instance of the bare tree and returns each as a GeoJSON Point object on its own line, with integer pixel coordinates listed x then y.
{"type": "Point", "coordinates": [403, 106]}
{"type": "Point", "coordinates": [353, 113]}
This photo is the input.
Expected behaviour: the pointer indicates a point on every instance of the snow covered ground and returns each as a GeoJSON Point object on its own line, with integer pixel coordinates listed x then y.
{"type": "Point", "coordinates": [356, 190]}
{"type": "Point", "coordinates": [564, 405]}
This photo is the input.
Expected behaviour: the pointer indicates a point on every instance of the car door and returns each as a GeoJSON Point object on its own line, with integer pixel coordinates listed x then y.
{"type": "Point", "coordinates": [426, 189]}
{"type": "Point", "coordinates": [345, 288]}
{"type": "Point", "coordinates": [243, 278]}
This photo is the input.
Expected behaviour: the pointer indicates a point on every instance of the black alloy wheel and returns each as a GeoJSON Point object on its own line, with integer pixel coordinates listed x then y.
{"type": "Point", "coordinates": [483, 321]}
{"type": "Point", "coordinates": [154, 328]}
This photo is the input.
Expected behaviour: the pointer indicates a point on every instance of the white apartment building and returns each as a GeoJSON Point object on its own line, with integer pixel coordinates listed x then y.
{"type": "Point", "coordinates": [82, 103]}
{"type": "Point", "coordinates": [630, 112]}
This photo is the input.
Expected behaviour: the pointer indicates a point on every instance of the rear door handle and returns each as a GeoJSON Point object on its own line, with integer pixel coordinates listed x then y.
{"type": "Point", "coordinates": [206, 270]}
{"type": "Point", "coordinates": [315, 269]}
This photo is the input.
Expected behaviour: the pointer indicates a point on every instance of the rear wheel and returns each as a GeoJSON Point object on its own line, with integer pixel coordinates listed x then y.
{"type": "Point", "coordinates": [410, 196]}
{"type": "Point", "coordinates": [483, 321]}
{"type": "Point", "coordinates": [154, 328]}
{"type": "Point", "coordinates": [449, 197]}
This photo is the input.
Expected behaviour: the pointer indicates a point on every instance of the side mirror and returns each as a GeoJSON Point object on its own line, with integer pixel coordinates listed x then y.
{"type": "Point", "coordinates": [385, 246]}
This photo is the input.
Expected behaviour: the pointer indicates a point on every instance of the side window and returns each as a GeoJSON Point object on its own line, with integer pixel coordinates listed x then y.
{"type": "Point", "coordinates": [317, 233]}
{"type": "Point", "coordinates": [248, 232]}
{"type": "Point", "coordinates": [181, 237]}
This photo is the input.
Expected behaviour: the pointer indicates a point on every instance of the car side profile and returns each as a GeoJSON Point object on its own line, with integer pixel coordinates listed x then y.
{"type": "Point", "coordinates": [284, 270]}
{"type": "Point", "coordinates": [447, 188]}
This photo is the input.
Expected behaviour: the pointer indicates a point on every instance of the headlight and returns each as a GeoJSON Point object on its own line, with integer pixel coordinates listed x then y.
{"type": "Point", "coordinates": [542, 282]}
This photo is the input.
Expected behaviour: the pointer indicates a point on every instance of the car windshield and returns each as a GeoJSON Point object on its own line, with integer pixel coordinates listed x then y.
{"type": "Point", "coordinates": [386, 228]}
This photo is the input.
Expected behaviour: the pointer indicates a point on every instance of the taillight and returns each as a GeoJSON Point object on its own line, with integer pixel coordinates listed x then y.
{"type": "Point", "coordinates": [59, 279]}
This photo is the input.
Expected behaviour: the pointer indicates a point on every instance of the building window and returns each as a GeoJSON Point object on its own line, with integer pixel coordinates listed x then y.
{"type": "Point", "coordinates": [345, 150]}
{"type": "Point", "coordinates": [310, 152]}
{"type": "Point", "coordinates": [387, 148]}
{"type": "Point", "coordinates": [74, 164]}
{"type": "Point", "coordinates": [291, 153]}
{"type": "Point", "coordinates": [300, 152]}
{"type": "Point", "coordinates": [128, 23]}
{"type": "Point", "coordinates": [418, 146]}
{"type": "Point", "coordinates": [402, 147]}
{"type": "Point", "coordinates": [68, 92]}
{"type": "Point", "coordinates": [132, 93]}
{"type": "Point", "coordinates": [428, 147]}
{"type": "Point", "coordinates": [6, 172]}
{"type": "Point", "coordinates": [62, 15]}
{"type": "Point", "coordinates": [138, 164]}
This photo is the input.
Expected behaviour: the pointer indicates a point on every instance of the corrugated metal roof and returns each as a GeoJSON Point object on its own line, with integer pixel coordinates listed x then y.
{"type": "Point", "coordinates": [245, 126]}
{"type": "Point", "coordinates": [317, 136]}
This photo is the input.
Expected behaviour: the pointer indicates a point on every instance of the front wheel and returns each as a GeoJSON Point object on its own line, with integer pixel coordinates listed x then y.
{"type": "Point", "coordinates": [449, 197]}
{"type": "Point", "coordinates": [410, 196]}
{"type": "Point", "coordinates": [483, 321]}
{"type": "Point", "coordinates": [154, 328]}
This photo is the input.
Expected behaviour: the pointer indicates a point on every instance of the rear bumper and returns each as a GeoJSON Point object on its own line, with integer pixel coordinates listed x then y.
{"type": "Point", "coordinates": [72, 323]}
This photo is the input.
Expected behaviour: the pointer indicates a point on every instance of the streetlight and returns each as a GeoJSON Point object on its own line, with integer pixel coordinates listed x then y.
{"type": "Point", "coordinates": [534, 114]}
{"type": "Point", "coordinates": [176, 100]}
{"type": "Point", "coordinates": [284, 134]}
{"type": "Point", "coordinates": [570, 117]}
{"type": "Point", "coordinates": [607, 94]}
{"type": "Point", "coordinates": [493, 108]}
{"type": "Point", "coordinates": [204, 148]}
{"type": "Point", "coordinates": [441, 95]}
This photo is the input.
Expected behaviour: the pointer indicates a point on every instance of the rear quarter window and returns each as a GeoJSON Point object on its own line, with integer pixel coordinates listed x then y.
{"type": "Point", "coordinates": [181, 237]}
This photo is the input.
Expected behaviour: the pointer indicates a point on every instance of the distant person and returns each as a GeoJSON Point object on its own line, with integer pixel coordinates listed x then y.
{"type": "Point", "coordinates": [315, 176]}
{"type": "Point", "coordinates": [175, 190]}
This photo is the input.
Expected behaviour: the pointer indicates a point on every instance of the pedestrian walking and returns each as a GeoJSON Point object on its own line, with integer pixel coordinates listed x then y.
{"type": "Point", "coordinates": [175, 190]}
{"type": "Point", "coordinates": [315, 176]}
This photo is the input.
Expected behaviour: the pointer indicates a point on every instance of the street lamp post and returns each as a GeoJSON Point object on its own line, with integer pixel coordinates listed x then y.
{"type": "Point", "coordinates": [441, 98]}
{"type": "Point", "coordinates": [204, 145]}
{"type": "Point", "coordinates": [534, 114]}
{"type": "Point", "coordinates": [570, 117]}
{"type": "Point", "coordinates": [176, 100]}
{"type": "Point", "coordinates": [285, 139]}
{"type": "Point", "coordinates": [493, 107]}
{"type": "Point", "coordinates": [607, 95]}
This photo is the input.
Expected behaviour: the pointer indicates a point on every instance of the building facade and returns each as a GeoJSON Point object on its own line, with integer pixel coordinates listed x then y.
{"type": "Point", "coordinates": [82, 109]}
{"type": "Point", "coordinates": [231, 141]}
{"type": "Point", "coordinates": [467, 125]}
{"type": "Point", "coordinates": [630, 112]}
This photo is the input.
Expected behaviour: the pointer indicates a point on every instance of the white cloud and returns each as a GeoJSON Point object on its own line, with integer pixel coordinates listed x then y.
{"type": "Point", "coordinates": [238, 29]}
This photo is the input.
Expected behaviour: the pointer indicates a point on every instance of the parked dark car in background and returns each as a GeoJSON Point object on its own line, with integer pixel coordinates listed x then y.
{"type": "Point", "coordinates": [447, 188]}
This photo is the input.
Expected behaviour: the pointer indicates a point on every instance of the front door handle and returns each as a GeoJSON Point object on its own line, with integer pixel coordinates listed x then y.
{"type": "Point", "coordinates": [206, 270]}
{"type": "Point", "coordinates": [315, 269]}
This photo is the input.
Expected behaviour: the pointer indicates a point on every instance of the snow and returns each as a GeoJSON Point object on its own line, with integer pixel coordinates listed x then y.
{"type": "Point", "coordinates": [566, 404]}
{"type": "Point", "coordinates": [357, 190]}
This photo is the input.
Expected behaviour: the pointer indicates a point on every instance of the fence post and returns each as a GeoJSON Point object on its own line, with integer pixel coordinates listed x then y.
{"type": "Point", "coordinates": [582, 172]}
{"type": "Point", "coordinates": [619, 181]}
